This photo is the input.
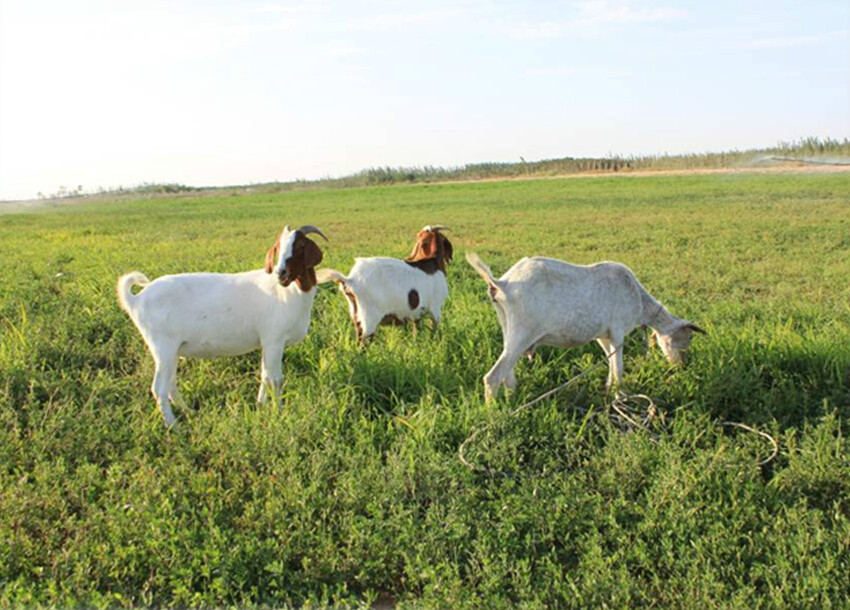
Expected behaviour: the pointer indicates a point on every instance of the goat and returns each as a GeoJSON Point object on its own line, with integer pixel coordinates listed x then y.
{"type": "Point", "coordinates": [385, 290]}
{"type": "Point", "coordinates": [544, 301]}
{"type": "Point", "coordinates": [205, 315]}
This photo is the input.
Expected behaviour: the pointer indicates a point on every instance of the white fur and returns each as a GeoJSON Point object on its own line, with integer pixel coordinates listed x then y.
{"type": "Point", "coordinates": [206, 315]}
{"type": "Point", "coordinates": [381, 286]}
{"type": "Point", "coordinates": [287, 240]}
{"type": "Point", "coordinates": [544, 301]}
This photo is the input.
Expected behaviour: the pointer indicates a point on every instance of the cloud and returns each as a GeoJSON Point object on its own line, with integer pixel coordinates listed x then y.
{"type": "Point", "coordinates": [551, 72]}
{"type": "Point", "coordinates": [344, 51]}
{"type": "Point", "coordinates": [783, 42]}
{"type": "Point", "coordinates": [341, 18]}
{"type": "Point", "coordinates": [596, 13]}
{"type": "Point", "coordinates": [351, 18]}
{"type": "Point", "coordinates": [603, 11]}
{"type": "Point", "coordinates": [580, 72]}
{"type": "Point", "coordinates": [313, 8]}
{"type": "Point", "coordinates": [390, 21]}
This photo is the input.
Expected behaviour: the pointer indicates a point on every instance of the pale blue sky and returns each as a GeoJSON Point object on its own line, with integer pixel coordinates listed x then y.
{"type": "Point", "coordinates": [211, 93]}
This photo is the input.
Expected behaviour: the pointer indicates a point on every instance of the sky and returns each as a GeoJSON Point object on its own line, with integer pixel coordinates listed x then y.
{"type": "Point", "coordinates": [119, 93]}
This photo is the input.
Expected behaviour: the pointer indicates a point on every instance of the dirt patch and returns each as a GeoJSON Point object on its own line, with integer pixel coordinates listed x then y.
{"type": "Point", "coordinates": [784, 168]}
{"type": "Point", "coordinates": [11, 207]}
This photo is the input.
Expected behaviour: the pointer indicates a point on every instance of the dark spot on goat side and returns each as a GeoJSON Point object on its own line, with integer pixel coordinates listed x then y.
{"type": "Point", "coordinates": [413, 299]}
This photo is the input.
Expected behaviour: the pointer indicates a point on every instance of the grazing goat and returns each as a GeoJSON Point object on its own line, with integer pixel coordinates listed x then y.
{"type": "Point", "coordinates": [544, 301]}
{"type": "Point", "coordinates": [386, 290]}
{"type": "Point", "coordinates": [205, 315]}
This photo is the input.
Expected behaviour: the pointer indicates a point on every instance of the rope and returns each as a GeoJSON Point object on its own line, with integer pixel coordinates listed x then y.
{"type": "Point", "coordinates": [476, 431]}
{"type": "Point", "coordinates": [621, 414]}
{"type": "Point", "coordinates": [772, 440]}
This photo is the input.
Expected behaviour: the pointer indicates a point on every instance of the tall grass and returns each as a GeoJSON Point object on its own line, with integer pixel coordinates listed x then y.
{"type": "Point", "coordinates": [351, 488]}
{"type": "Point", "coordinates": [806, 149]}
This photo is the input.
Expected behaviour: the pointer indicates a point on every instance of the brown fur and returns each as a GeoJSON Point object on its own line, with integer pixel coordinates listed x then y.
{"type": "Point", "coordinates": [300, 266]}
{"type": "Point", "coordinates": [352, 298]}
{"type": "Point", "coordinates": [305, 256]}
{"type": "Point", "coordinates": [271, 255]}
{"type": "Point", "coordinates": [431, 253]}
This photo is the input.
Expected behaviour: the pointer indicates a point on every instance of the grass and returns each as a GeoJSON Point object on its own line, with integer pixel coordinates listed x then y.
{"type": "Point", "coordinates": [352, 488]}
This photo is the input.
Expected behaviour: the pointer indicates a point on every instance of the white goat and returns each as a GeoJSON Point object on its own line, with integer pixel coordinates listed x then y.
{"type": "Point", "coordinates": [390, 290]}
{"type": "Point", "coordinates": [544, 301]}
{"type": "Point", "coordinates": [205, 315]}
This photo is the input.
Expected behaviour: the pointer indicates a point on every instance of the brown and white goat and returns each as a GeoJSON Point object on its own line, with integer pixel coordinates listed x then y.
{"type": "Point", "coordinates": [381, 289]}
{"type": "Point", "coordinates": [206, 315]}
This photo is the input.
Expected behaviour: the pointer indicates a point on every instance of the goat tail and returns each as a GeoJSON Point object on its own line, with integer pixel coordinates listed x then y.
{"type": "Point", "coordinates": [480, 266]}
{"type": "Point", "coordinates": [125, 283]}
{"type": "Point", "coordinates": [323, 276]}
{"type": "Point", "coordinates": [484, 271]}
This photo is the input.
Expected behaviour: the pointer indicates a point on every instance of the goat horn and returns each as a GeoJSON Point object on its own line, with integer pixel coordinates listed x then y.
{"type": "Point", "coordinates": [307, 229]}
{"type": "Point", "coordinates": [436, 228]}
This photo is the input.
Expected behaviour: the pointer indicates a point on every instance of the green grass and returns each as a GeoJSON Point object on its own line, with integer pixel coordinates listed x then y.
{"type": "Point", "coordinates": [352, 487]}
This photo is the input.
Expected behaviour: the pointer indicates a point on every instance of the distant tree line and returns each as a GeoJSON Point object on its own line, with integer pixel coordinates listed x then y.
{"type": "Point", "coordinates": [821, 150]}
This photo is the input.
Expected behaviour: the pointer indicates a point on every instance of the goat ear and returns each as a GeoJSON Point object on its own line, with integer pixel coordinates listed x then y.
{"type": "Point", "coordinates": [429, 244]}
{"type": "Point", "coordinates": [312, 254]}
{"type": "Point", "coordinates": [416, 253]}
{"type": "Point", "coordinates": [694, 328]}
{"type": "Point", "coordinates": [447, 245]}
{"type": "Point", "coordinates": [271, 255]}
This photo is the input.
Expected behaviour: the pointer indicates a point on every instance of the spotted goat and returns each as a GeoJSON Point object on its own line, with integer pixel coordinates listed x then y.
{"type": "Point", "coordinates": [382, 290]}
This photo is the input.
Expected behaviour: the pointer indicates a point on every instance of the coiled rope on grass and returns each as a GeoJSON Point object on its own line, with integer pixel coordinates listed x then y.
{"type": "Point", "coordinates": [478, 430]}
{"type": "Point", "coordinates": [772, 440]}
{"type": "Point", "coordinates": [626, 412]}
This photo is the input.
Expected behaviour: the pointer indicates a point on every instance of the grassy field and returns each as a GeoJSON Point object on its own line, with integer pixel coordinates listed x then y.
{"type": "Point", "coordinates": [352, 488]}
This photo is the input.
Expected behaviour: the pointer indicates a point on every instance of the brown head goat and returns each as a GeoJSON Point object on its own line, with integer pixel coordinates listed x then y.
{"type": "Point", "coordinates": [381, 289]}
{"type": "Point", "coordinates": [207, 315]}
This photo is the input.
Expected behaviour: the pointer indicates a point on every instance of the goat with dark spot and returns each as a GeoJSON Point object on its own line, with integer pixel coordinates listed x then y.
{"type": "Point", "coordinates": [381, 289]}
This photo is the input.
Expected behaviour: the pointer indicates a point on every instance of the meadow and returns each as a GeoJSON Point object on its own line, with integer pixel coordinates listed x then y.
{"type": "Point", "coordinates": [351, 490]}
